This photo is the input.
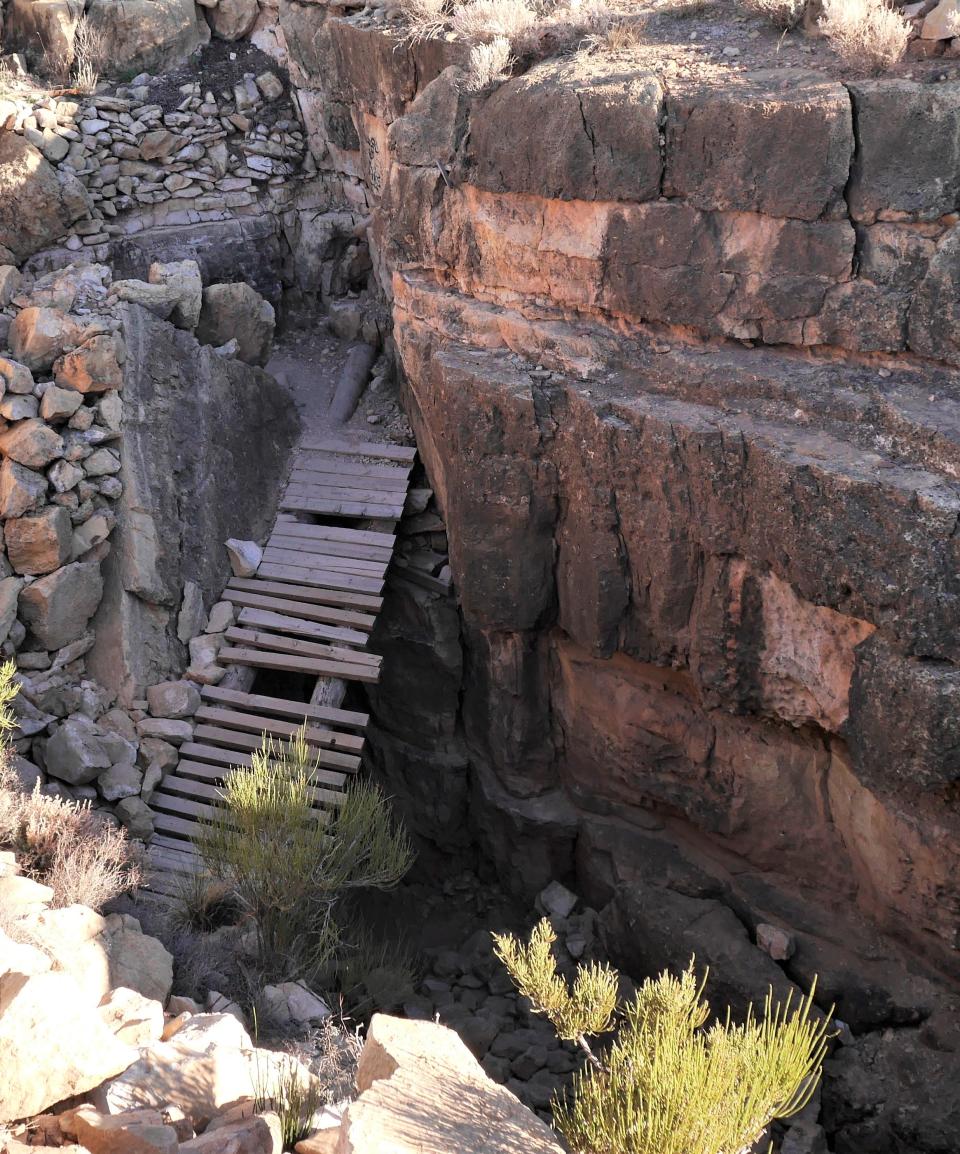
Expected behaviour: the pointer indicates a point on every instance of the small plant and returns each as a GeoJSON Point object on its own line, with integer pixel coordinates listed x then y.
{"type": "Point", "coordinates": [284, 1085]}
{"type": "Point", "coordinates": [668, 1084]}
{"type": "Point", "coordinates": [289, 863]}
{"type": "Point", "coordinates": [66, 845]}
{"type": "Point", "coordinates": [488, 63]}
{"type": "Point", "coordinates": [782, 14]}
{"type": "Point", "coordinates": [483, 21]}
{"type": "Point", "coordinates": [89, 56]}
{"type": "Point", "coordinates": [425, 19]}
{"type": "Point", "coordinates": [868, 35]}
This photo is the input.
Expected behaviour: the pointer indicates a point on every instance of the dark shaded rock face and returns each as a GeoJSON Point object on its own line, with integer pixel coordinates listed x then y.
{"type": "Point", "coordinates": [204, 447]}
{"type": "Point", "coordinates": [704, 542]}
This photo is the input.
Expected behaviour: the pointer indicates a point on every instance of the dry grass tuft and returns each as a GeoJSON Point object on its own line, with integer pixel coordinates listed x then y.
{"type": "Point", "coordinates": [425, 19]}
{"type": "Point", "coordinates": [868, 35]}
{"type": "Point", "coordinates": [783, 14]}
{"type": "Point", "coordinates": [489, 63]}
{"type": "Point", "coordinates": [66, 845]}
{"type": "Point", "coordinates": [89, 56]}
{"type": "Point", "coordinates": [483, 21]}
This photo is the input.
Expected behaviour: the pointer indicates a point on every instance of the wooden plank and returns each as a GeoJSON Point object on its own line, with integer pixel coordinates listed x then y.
{"type": "Point", "coordinates": [190, 787]}
{"type": "Point", "coordinates": [235, 739]}
{"type": "Point", "coordinates": [360, 448]}
{"type": "Point", "coordinates": [389, 500]}
{"type": "Point", "coordinates": [320, 578]}
{"type": "Point", "coordinates": [284, 539]}
{"type": "Point", "coordinates": [183, 806]}
{"type": "Point", "coordinates": [295, 504]}
{"type": "Point", "coordinates": [171, 824]}
{"type": "Point", "coordinates": [256, 723]}
{"type": "Point", "coordinates": [299, 710]}
{"type": "Point", "coordinates": [171, 843]}
{"type": "Point", "coordinates": [260, 659]}
{"type": "Point", "coordinates": [211, 770]}
{"type": "Point", "coordinates": [305, 474]}
{"type": "Point", "coordinates": [299, 627]}
{"type": "Point", "coordinates": [279, 643]}
{"type": "Point", "coordinates": [335, 532]}
{"type": "Point", "coordinates": [234, 759]}
{"type": "Point", "coordinates": [281, 554]}
{"type": "Point", "coordinates": [321, 462]}
{"type": "Point", "coordinates": [283, 602]}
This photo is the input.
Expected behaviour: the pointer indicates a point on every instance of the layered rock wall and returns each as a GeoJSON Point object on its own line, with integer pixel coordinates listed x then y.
{"type": "Point", "coordinates": [681, 362]}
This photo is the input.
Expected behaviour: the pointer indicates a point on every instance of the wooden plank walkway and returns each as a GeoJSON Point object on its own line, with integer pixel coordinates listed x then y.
{"type": "Point", "coordinates": [309, 609]}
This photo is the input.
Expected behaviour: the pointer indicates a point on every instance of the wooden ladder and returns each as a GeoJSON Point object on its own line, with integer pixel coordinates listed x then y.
{"type": "Point", "coordinates": [309, 609]}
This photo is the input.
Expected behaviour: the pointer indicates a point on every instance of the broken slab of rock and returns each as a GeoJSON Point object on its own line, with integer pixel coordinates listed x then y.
{"type": "Point", "coordinates": [423, 1092]}
{"type": "Point", "coordinates": [245, 557]}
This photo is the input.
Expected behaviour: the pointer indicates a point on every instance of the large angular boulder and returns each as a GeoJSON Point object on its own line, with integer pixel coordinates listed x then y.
{"type": "Point", "coordinates": [39, 335]}
{"type": "Point", "coordinates": [91, 368]}
{"type": "Point", "coordinates": [147, 34]}
{"type": "Point", "coordinates": [47, 26]}
{"type": "Point", "coordinates": [21, 489]}
{"type": "Point", "coordinates": [137, 961]}
{"type": "Point", "coordinates": [56, 608]}
{"type": "Point", "coordinates": [53, 1044]}
{"type": "Point", "coordinates": [40, 543]}
{"type": "Point", "coordinates": [232, 19]}
{"type": "Point", "coordinates": [33, 211]}
{"type": "Point", "coordinates": [76, 752]}
{"type": "Point", "coordinates": [237, 311]}
{"type": "Point", "coordinates": [31, 443]}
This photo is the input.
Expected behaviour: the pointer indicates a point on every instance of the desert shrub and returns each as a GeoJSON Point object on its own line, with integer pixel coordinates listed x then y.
{"type": "Point", "coordinates": [89, 56]}
{"type": "Point", "coordinates": [489, 63]}
{"type": "Point", "coordinates": [283, 1085]}
{"type": "Point", "coordinates": [668, 1083]}
{"type": "Point", "coordinates": [868, 35]}
{"type": "Point", "coordinates": [425, 19]}
{"type": "Point", "coordinates": [783, 14]}
{"type": "Point", "coordinates": [65, 844]}
{"type": "Point", "coordinates": [482, 21]}
{"type": "Point", "coordinates": [290, 864]}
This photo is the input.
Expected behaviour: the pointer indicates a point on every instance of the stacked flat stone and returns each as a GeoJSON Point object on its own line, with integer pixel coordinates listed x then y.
{"type": "Point", "coordinates": [212, 158]}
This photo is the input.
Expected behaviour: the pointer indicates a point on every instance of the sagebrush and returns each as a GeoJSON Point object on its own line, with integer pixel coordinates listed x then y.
{"type": "Point", "coordinates": [289, 863]}
{"type": "Point", "coordinates": [868, 35]}
{"type": "Point", "coordinates": [668, 1083]}
{"type": "Point", "coordinates": [67, 845]}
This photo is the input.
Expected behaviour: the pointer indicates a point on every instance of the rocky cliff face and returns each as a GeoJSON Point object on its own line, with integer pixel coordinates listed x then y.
{"type": "Point", "coordinates": [681, 361]}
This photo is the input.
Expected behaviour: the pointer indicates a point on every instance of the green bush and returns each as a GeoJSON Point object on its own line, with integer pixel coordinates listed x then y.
{"type": "Point", "coordinates": [289, 863]}
{"type": "Point", "coordinates": [668, 1083]}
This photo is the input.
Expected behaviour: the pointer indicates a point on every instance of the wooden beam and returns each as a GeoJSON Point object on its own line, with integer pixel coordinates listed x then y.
{"type": "Point", "coordinates": [256, 723]}
{"type": "Point", "coordinates": [298, 710]}
{"type": "Point", "coordinates": [300, 627]}
{"type": "Point", "coordinates": [283, 599]}
{"type": "Point", "coordinates": [291, 664]}
{"type": "Point", "coordinates": [280, 553]}
{"type": "Point", "coordinates": [384, 451]}
{"type": "Point", "coordinates": [335, 532]}
{"type": "Point", "coordinates": [321, 579]}
{"type": "Point", "coordinates": [279, 643]}
{"type": "Point", "coordinates": [291, 502]}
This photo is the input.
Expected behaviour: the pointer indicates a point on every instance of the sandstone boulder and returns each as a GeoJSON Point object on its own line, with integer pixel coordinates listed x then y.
{"type": "Point", "coordinates": [133, 1132]}
{"type": "Point", "coordinates": [258, 1134]}
{"type": "Point", "coordinates": [56, 608]}
{"type": "Point", "coordinates": [232, 19]}
{"type": "Point", "coordinates": [46, 26]}
{"type": "Point", "coordinates": [33, 211]}
{"type": "Point", "coordinates": [39, 335]}
{"type": "Point", "coordinates": [237, 311]}
{"type": "Point", "coordinates": [21, 489]}
{"type": "Point", "coordinates": [21, 958]}
{"type": "Point", "coordinates": [934, 318]}
{"type": "Point", "coordinates": [132, 1018]}
{"type": "Point", "coordinates": [32, 443]}
{"type": "Point", "coordinates": [245, 557]}
{"type": "Point", "coordinates": [91, 368]}
{"type": "Point", "coordinates": [39, 543]}
{"type": "Point", "coordinates": [47, 1025]}
{"type": "Point", "coordinates": [14, 377]}
{"type": "Point", "coordinates": [137, 961]}
{"type": "Point", "coordinates": [147, 34]}
{"type": "Point", "coordinates": [183, 281]}
{"type": "Point", "coordinates": [174, 699]}
{"type": "Point", "coordinates": [58, 404]}
{"type": "Point", "coordinates": [422, 1091]}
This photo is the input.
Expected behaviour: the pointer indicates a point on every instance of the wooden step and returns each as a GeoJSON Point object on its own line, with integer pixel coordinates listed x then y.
{"type": "Point", "coordinates": [284, 554]}
{"type": "Point", "coordinates": [183, 806]}
{"type": "Point", "coordinates": [385, 452]}
{"type": "Point", "coordinates": [343, 465]}
{"type": "Point", "coordinates": [213, 764]}
{"type": "Point", "coordinates": [191, 787]}
{"type": "Point", "coordinates": [226, 738]}
{"type": "Point", "coordinates": [306, 591]}
{"type": "Point", "coordinates": [256, 723]}
{"type": "Point", "coordinates": [282, 538]}
{"type": "Point", "coordinates": [306, 474]}
{"type": "Point", "coordinates": [322, 578]}
{"type": "Point", "coordinates": [260, 659]}
{"type": "Point", "coordinates": [280, 643]}
{"type": "Point", "coordinates": [293, 503]}
{"type": "Point", "coordinates": [299, 627]}
{"type": "Point", "coordinates": [391, 499]}
{"type": "Point", "coordinates": [167, 823]}
{"type": "Point", "coordinates": [341, 533]}
{"type": "Point", "coordinates": [298, 710]}
{"type": "Point", "coordinates": [274, 598]}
